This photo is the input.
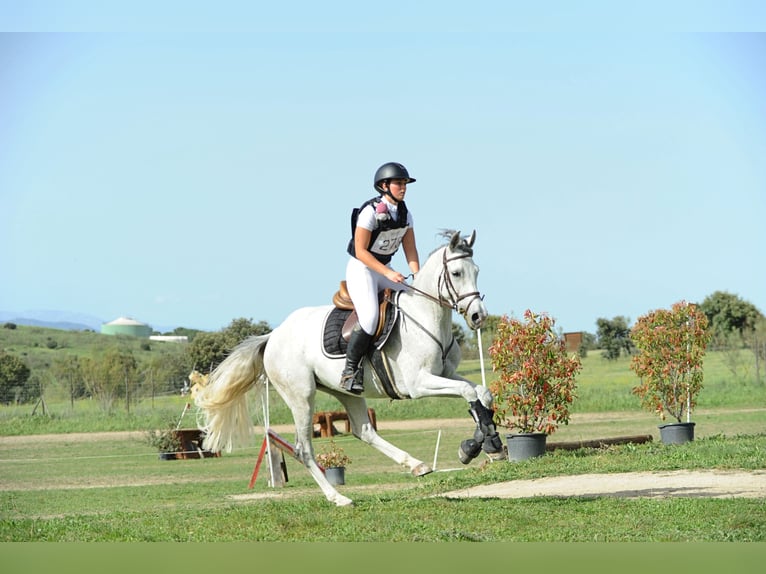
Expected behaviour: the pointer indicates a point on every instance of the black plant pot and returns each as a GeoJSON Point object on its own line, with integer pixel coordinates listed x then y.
{"type": "Point", "coordinates": [336, 475]}
{"type": "Point", "coordinates": [677, 433]}
{"type": "Point", "coordinates": [525, 445]}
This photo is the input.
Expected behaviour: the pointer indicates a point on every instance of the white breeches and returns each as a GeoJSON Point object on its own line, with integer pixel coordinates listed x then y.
{"type": "Point", "coordinates": [363, 285]}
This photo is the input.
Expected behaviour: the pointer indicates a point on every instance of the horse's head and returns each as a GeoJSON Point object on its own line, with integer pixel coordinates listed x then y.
{"type": "Point", "coordinates": [457, 282]}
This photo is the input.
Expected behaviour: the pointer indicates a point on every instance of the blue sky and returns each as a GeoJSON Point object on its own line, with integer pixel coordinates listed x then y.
{"type": "Point", "coordinates": [196, 168]}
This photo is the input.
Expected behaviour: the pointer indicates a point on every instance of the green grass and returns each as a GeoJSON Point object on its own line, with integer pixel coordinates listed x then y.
{"type": "Point", "coordinates": [113, 489]}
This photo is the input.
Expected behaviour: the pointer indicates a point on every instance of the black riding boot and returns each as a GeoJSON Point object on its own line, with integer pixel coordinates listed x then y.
{"type": "Point", "coordinates": [352, 377]}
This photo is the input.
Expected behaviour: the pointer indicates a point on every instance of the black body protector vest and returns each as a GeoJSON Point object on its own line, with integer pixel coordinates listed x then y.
{"type": "Point", "coordinates": [387, 235]}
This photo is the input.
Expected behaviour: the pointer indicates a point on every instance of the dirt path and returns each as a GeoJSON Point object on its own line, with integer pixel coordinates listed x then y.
{"type": "Point", "coordinates": [420, 424]}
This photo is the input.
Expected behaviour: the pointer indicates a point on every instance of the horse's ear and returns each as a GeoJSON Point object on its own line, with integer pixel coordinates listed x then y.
{"type": "Point", "coordinates": [471, 239]}
{"type": "Point", "coordinates": [454, 240]}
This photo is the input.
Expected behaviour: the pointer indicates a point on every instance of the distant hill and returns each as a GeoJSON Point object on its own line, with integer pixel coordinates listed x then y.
{"type": "Point", "coordinates": [64, 326]}
{"type": "Point", "coordinates": [52, 319]}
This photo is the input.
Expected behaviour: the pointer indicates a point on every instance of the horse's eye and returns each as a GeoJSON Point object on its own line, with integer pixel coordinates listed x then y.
{"type": "Point", "coordinates": [456, 273]}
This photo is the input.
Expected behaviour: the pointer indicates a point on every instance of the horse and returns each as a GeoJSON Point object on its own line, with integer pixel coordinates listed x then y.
{"type": "Point", "coordinates": [420, 356]}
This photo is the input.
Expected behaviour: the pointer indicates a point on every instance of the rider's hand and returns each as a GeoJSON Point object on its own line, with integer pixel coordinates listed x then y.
{"type": "Point", "coordinates": [395, 276]}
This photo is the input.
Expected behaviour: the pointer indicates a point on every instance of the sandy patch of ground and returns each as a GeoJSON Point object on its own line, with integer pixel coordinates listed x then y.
{"type": "Point", "coordinates": [705, 483]}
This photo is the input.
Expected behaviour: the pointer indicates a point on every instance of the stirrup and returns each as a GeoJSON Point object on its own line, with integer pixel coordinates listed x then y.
{"type": "Point", "coordinates": [352, 382]}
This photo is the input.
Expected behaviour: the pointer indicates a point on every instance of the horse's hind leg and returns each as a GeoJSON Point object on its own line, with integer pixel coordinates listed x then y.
{"type": "Point", "coordinates": [302, 407]}
{"type": "Point", "coordinates": [362, 428]}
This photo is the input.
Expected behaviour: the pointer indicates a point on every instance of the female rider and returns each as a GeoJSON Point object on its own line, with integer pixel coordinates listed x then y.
{"type": "Point", "coordinates": [379, 227]}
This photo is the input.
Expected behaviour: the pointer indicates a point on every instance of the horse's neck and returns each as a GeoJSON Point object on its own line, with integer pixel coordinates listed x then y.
{"type": "Point", "coordinates": [434, 317]}
{"type": "Point", "coordinates": [427, 279]}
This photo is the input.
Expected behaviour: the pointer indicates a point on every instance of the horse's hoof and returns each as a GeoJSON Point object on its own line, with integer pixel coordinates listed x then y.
{"type": "Point", "coordinates": [422, 469]}
{"type": "Point", "coordinates": [497, 456]}
{"type": "Point", "coordinates": [469, 449]}
{"type": "Point", "coordinates": [341, 500]}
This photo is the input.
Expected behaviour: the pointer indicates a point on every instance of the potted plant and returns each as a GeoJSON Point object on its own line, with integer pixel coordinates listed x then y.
{"type": "Point", "coordinates": [166, 440]}
{"type": "Point", "coordinates": [535, 383]}
{"type": "Point", "coordinates": [671, 345]}
{"type": "Point", "coordinates": [333, 461]}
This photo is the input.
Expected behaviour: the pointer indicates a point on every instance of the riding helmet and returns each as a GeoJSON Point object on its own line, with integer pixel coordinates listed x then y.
{"type": "Point", "coordinates": [391, 170]}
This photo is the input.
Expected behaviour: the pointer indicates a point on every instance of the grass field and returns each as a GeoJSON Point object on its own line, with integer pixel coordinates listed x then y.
{"type": "Point", "coordinates": [602, 386]}
{"type": "Point", "coordinates": [112, 486]}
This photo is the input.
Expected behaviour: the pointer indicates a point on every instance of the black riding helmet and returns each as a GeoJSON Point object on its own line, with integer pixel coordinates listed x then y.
{"type": "Point", "coordinates": [391, 170]}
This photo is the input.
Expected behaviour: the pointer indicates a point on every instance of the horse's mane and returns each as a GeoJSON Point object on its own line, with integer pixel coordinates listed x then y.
{"type": "Point", "coordinates": [462, 246]}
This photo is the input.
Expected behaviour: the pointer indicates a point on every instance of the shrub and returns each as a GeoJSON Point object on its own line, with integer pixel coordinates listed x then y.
{"type": "Point", "coordinates": [671, 346]}
{"type": "Point", "coordinates": [536, 381]}
{"type": "Point", "coordinates": [332, 456]}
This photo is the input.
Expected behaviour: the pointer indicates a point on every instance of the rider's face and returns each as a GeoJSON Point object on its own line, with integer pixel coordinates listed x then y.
{"type": "Point", "coordinates": [398, 188]}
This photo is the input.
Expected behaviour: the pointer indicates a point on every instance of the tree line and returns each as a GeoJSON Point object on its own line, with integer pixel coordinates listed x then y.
{"type": "Point", "coordinates": [119, 370]}
{"type": "Point", "coordinates": [735, 324]}
{"type": "Point", "coordinates": [121, 374]}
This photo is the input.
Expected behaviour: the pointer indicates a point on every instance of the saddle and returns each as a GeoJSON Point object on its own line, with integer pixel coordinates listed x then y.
{"type": "Point", "coordinates": [339, 323]}
{"type": "Point", "coordinates": [342, 300]}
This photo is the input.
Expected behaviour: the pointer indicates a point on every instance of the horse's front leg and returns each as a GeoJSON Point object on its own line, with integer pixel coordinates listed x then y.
{"type": "Point", "coordinates": [362, 428]}
{"type": "Point", "coordinates": [485, 437]}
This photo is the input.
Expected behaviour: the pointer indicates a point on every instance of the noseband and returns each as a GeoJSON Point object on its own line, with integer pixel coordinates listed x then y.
{"type": "Point", "coordinates": [445, 281]}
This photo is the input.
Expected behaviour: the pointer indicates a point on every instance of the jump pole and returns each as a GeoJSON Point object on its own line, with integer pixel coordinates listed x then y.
{"type": "Point", "coordinates": [272, 439]}
{"type": "Point", "coordinates": [436, 450]}
{"type": "Point", "coordinates": [265, 402]}
{"type": "Point", "coordinates": [181, 418]}
{"type": "Point", "coordinates": [481, 358]}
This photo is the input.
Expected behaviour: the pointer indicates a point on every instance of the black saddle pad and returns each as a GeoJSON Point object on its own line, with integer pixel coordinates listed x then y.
{"type": "Point", "coordinates": [333, 343]}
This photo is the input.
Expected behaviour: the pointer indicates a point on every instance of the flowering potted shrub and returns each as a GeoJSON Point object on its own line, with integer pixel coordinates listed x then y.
{"type": "Point", "coordinates": [333, 460]}
{"type": "Point", "coordinates": [671, 345]}
{"type": "Point", "coordinates": [535, 383]}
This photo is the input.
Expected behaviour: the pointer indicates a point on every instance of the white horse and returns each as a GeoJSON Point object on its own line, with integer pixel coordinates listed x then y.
{"type": "Point", "coordinates": [420, 357]}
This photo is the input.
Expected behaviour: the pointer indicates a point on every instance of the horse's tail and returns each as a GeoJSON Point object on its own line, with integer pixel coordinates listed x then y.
{"type": "Point", "coordinates": [223, 400]}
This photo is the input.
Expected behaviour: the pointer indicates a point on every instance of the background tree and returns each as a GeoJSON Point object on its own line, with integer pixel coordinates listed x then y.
{"type": "Point", "coordinates": [727, 313]}
{"type": "Point", "coordinates": [757, 342]}
{"type": "Point", "coordinates": [14, 375]}
{"type": "Point", "coordinates": [68, 372]}
{"type": "Point", "coordinates": [185, 332]}
{"type": "Point", "coordinates": [589, 343]}
{"type": "Point", "coordinates": [208, 350]}
{"type": "Point", "coordinates": [470, 346]}
{"type": "Point", "coordinates": [459, 333]}
{"type": "Point", "coordinates": [166, 373]}
{"type": "Point", "coordinates": [735, 323]}
{"type": "Point", "coordinates": [111, 376]}
{"type": "Point", "coordinates": [614, 337]}
{"type": "Point", "coordinates": [240, 329]}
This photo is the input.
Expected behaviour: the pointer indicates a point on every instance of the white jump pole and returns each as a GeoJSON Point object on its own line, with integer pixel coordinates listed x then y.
{"type": "Point", "coordinates": [265, 403]}
{"type": "Point", "coordinates": [181, 418]}
{"type": "Point", "coordinates": [436, 450]}
{"type": "Point", "coordinates": [481, 358]}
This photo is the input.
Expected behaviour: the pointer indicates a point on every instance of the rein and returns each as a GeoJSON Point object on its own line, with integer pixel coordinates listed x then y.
{"type": "Point", "coordinates": [445, 281]}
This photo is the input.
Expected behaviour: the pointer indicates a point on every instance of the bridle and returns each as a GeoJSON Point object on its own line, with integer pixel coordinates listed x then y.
{"type": "Point", "coordinates": [445, 281]}
{"type": "Point", "coordinates": [452, 303]}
